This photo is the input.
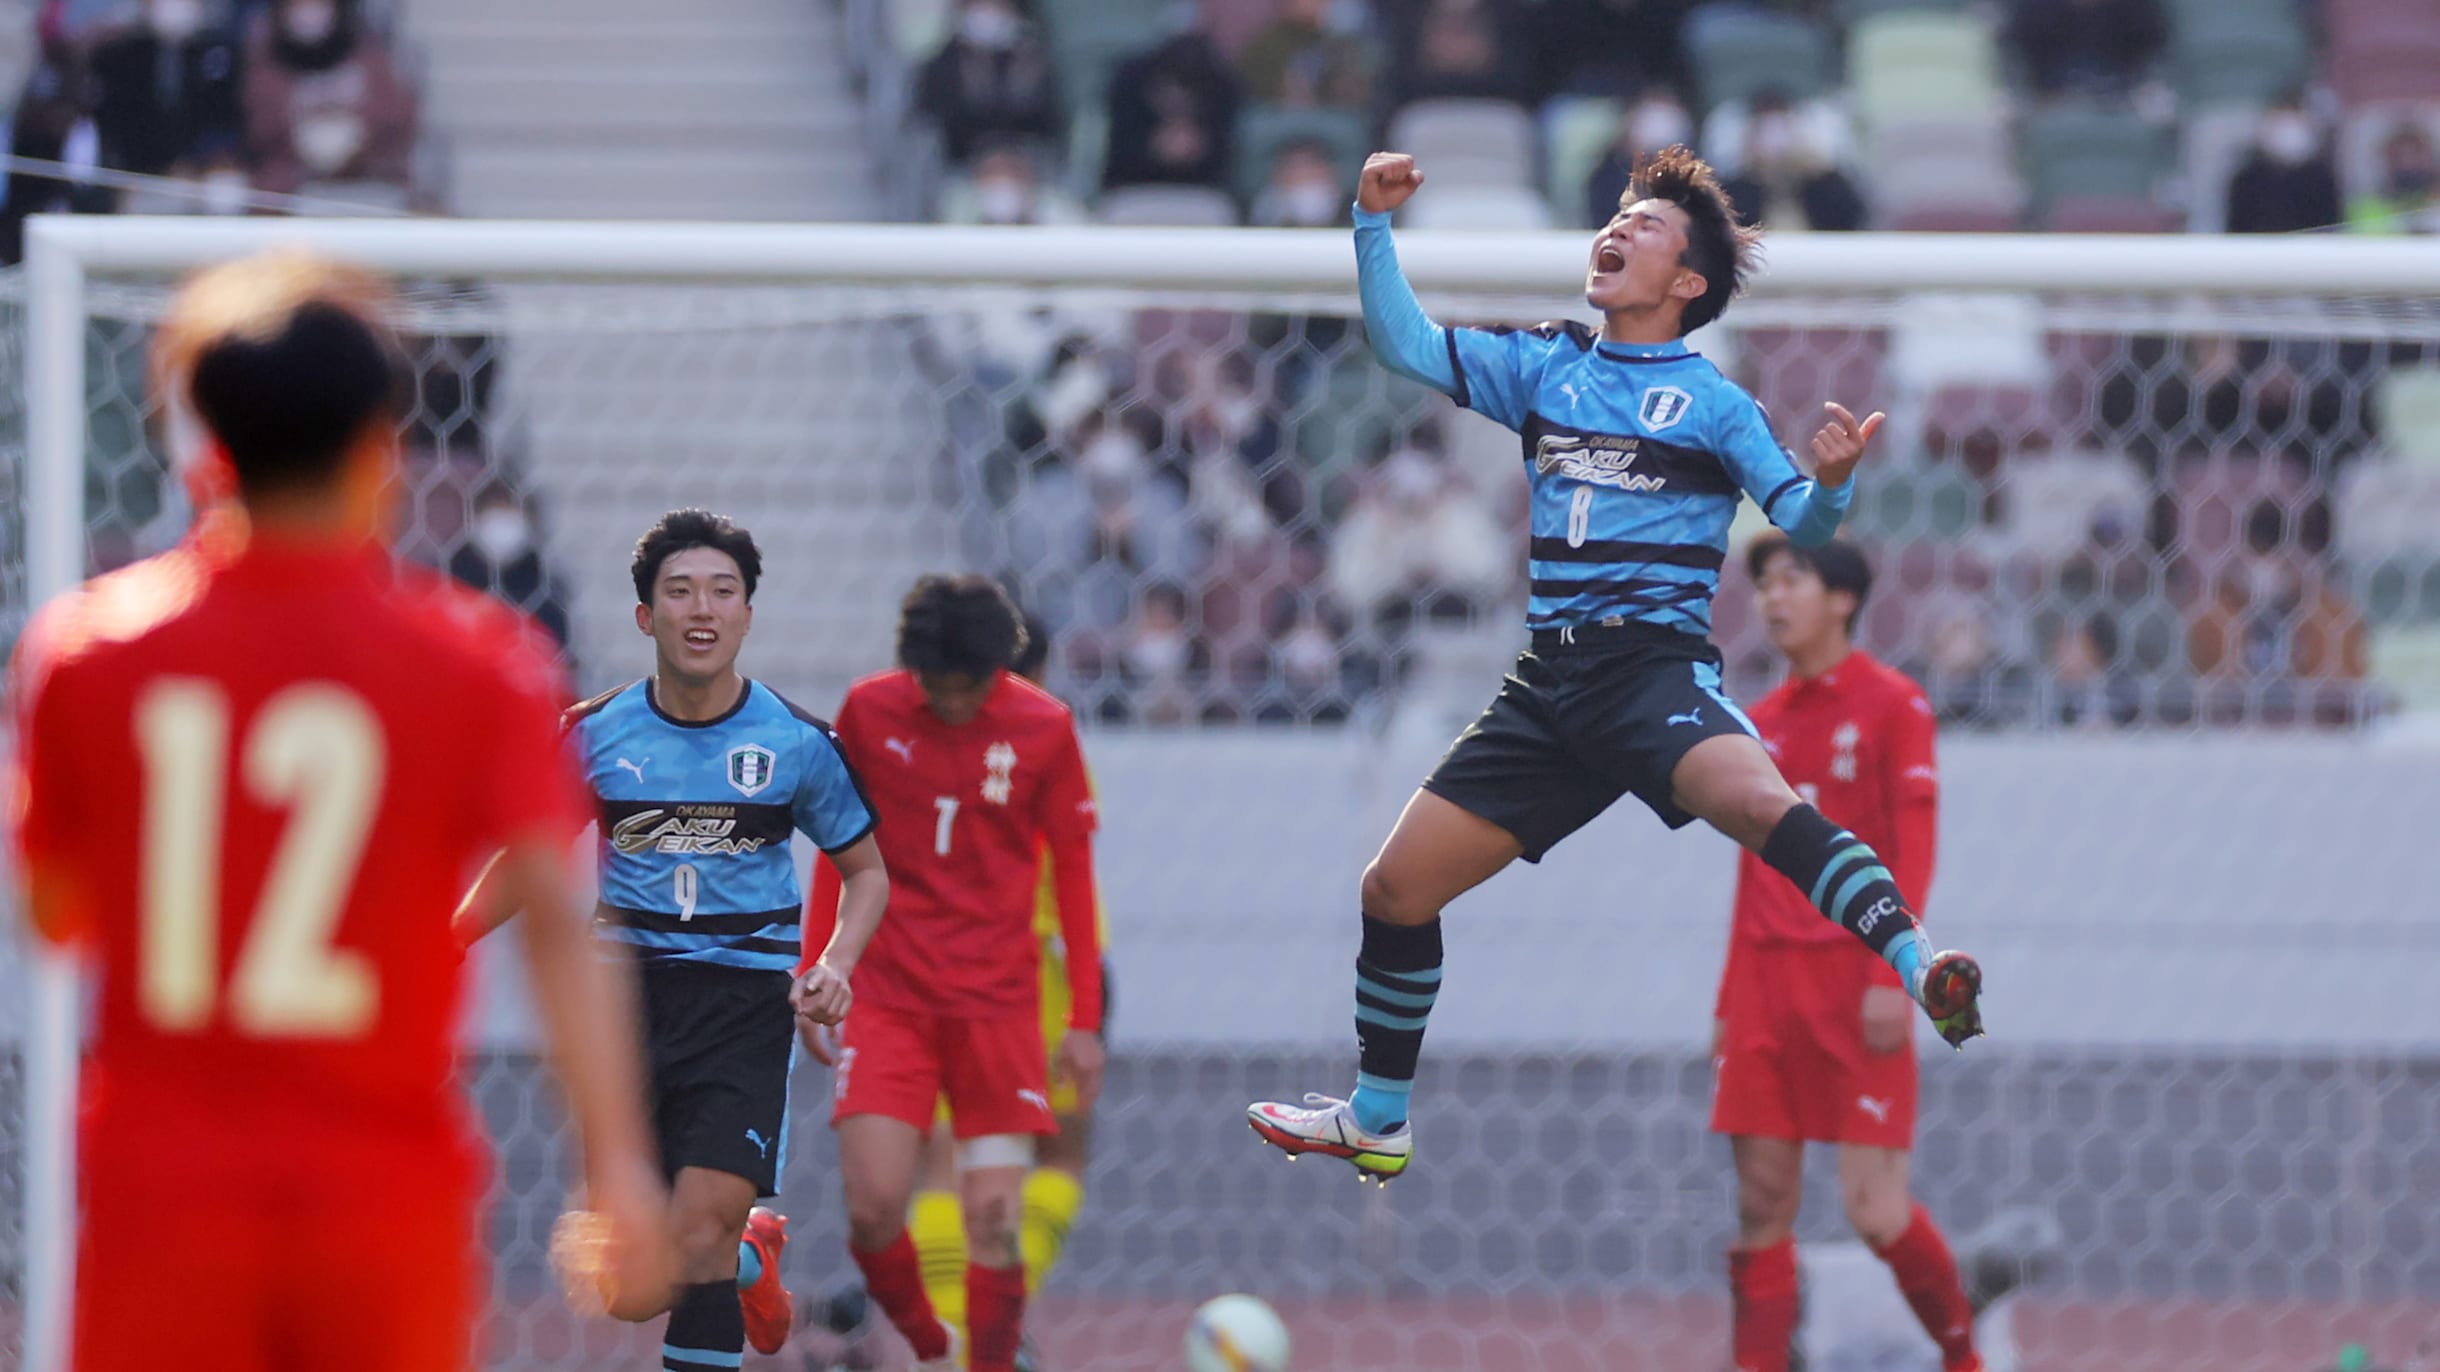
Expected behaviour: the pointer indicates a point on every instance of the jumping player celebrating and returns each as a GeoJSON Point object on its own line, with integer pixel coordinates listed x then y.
{"type": "Point", "coordinates": [699, 777]}
{"type": "Point", "coordinates": [253, 773]}
{"type": "Point", "coordinates": [1812, 1042]}
{"type": "Point", "coordinates": [976, 774]}
{"type": "Point", "coordinates": [1636, 449]}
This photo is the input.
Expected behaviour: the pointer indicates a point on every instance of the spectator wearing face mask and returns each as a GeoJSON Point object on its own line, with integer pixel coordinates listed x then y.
{"type": "Point", "coordinates": [1306, 59]}
{"type": "Point", "coordinates": [165, 91]}
{"type": "Point", "coordinates": [1005, 187]}
{"type": "Point", "coordinates": [1657, 119]}
{"type": "Point", "coordinates": [501, 557]}
{"type": "Point", "coordinates": [991, 80]}
{"type": "Point", "coordinates": [1305, 190]}
{"type": "Point", "coordinates": [1786, 177]}
{"type": "Point", "coordinates": [2407, 197]}
{"type": "Point", "coordinates": [324, 102]}
{"type": "Point", "coordinates": [2286, 183]}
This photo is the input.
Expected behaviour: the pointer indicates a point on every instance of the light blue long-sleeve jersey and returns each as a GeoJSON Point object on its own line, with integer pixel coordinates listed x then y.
{"type": "Point", "coordinates": [1636, 453]}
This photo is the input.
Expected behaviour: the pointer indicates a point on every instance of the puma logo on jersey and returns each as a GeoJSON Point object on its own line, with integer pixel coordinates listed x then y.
{"type": "Point", "coordinates": [635, 767]}
{"type": "Point", "coordinates": [1693, 717]}
{"type": "Point", "coordinates": [1878, 1109]}
{"type": "Point", "coordinates": [761, 1144]}
{"type": "Point", "coordinates": [1035, 1099]}
{"type": "Point", "coordinates": [904, 749]}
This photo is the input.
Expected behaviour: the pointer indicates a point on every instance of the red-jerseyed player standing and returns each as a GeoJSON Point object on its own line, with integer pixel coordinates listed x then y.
{"type": "Point", "coordinates": [972, 771]}
{"type": "Point", "coordinates": [1814, 1036]}
{"type": "Point", "coordinates": [252, 776]}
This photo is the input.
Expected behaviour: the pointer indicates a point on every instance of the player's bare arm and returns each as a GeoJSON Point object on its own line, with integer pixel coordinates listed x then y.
{"type": "Point", "coordinates": [1080, 1057]}
{"type": "Point", "coordinates": [589, 1022]}
{"type": "Point", "coordinates": [821, 994]}
{"type": "Point", "coordinates": [482, 910]}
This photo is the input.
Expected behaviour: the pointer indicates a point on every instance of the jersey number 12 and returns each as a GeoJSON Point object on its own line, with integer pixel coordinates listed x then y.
{"type": "Point", "coordinates": [315, 750]}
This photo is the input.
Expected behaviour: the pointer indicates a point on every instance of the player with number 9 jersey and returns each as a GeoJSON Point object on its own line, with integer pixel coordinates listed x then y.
{"type": "Point", "coordinates": [252, 776]}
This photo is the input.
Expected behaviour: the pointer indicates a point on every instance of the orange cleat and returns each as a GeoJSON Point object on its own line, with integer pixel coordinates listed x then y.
{"type": "Point", "coordinates": [770, 1314]}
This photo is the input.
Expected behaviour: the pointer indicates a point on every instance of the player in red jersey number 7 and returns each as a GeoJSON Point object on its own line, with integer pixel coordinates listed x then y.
{"type": "Point", "coordinates": [1813, 1039]}
{"type": "Point", "coordinates": [252, 775]}
{"type": "Point", "coordinates": [973, 772]}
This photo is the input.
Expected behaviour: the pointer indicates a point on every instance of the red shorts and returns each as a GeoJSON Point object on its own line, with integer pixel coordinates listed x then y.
{"type": "Point", "coordinates": [900, 1063]}
{"type": "Point", "coordinates": [1792, 1062]}
{"type": "Point", "coordinates": [362, 1273]}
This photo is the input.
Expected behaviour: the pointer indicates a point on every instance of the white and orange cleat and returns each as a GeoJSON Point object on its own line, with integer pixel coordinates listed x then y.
{"type": "Point", "coordinates": [1326, 1126]}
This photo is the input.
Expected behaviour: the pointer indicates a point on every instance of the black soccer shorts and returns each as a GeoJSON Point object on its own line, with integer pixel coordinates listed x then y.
{"type": "Point", "coordinates": [1581, 720]}
{"type": "Point", "coordinates": [717, 1044]}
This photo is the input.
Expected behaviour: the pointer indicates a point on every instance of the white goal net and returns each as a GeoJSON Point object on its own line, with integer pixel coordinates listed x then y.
{"type": "Point", "coordinates": [2157, 524]}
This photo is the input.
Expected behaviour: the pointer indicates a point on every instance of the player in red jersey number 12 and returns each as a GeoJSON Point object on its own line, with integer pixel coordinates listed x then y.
{"type": "Point", "coordinates": [252, 774]}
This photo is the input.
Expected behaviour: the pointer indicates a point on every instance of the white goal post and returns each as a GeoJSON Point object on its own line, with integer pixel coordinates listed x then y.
{"type": "Point", "coordinates": [1515, 277]}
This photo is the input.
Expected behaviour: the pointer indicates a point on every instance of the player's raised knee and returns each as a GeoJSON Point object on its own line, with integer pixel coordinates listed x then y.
{"type": "Point", "coordinates": [1392, 897]}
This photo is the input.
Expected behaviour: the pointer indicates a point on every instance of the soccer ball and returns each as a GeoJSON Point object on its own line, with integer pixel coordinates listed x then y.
{"type": "Point", "coordinates": [1237, 1334]}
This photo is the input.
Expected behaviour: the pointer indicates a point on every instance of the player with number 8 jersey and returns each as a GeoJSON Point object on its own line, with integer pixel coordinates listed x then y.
{"type": "Point", "coordinates": [252, 775]}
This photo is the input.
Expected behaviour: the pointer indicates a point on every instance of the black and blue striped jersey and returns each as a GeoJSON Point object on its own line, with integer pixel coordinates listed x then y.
{"type": "Point", "coordinates": [696, 818]}
{"type": "Point", "coordinates": [1636, 454]}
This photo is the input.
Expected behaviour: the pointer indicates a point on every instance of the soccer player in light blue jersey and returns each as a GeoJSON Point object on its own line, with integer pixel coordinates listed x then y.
{"type": "Point", "coordinates": [700, 777]}
{"type": "Point", "coordinates": [1638, 450]}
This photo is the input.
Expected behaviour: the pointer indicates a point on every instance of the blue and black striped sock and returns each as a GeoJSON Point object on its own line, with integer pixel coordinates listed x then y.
{"type": "Point", "coordinates": [1397, 978]}
{"type": "Point", "coordinates": [1848, 883]}
{"type": "Point", "coordinates": [707, 1330]}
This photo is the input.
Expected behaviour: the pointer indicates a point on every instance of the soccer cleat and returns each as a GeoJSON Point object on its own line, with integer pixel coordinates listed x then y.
{"type": "Point", "coordinates": [952, 1361]}
{"type": "Point", "coordinates": [1950, 991]}
{"type": "Point", "coordinates": [770, 1313]}
{"type": "Point", "coordinates": [1326, 1126]}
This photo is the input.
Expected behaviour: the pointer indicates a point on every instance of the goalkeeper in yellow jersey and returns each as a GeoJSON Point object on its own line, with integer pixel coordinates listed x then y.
{"type": "Point", "coordinates": [1054, 1190]}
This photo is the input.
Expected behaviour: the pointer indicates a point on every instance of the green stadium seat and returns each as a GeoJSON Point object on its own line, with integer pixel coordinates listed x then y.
{"type": "Point", "coordinates": [1576, 134]}
{"type": "Point", "coordinates": [1851, 12]}
{"type": "Point", "coordinates": [2243, 55]}
{"type": "Point", "coordinates": [1089, 38]}
{"type": "Point", "coordinates": [2082, 151]}
{"type": "Point", "coordinates": [1921, 65]}
{"type": "Point", "coordinates": [1738, 51]}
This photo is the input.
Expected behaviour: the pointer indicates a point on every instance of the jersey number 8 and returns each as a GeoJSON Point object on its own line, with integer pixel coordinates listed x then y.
{"type": "Point", "coordinates": [1580, 517]}
{"type": "Point", "coordinates": [317, 751]}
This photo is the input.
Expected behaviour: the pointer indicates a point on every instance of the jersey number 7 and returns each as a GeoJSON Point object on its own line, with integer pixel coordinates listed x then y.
{"type": "Point", "coordinates": [317, 750]}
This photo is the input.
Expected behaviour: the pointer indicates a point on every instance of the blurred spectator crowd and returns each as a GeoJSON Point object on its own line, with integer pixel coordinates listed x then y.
{"type": "Point", "coordinates": [223, 103]}
{"type": "Point", "coordinates": [1240, 518]}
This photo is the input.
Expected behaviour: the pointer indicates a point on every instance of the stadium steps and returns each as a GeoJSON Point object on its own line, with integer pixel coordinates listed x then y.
{"type": "Point", "coordinates": [740, 109]}
{"type": "Point", "coordinates": [722, 110]}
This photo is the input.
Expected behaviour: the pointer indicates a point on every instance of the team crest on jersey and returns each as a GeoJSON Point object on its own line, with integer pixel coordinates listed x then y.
{"type": "Point", "coordinates": [750, 767]}
{"type": "Point", "coordinates": [1664, 406]}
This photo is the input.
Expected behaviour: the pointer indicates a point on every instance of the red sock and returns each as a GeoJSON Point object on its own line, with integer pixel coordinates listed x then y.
{"type": "Point", "coordinates": [1762, 1297]}
{"type": "Point", "coordinates": [1927, 1275]}
{"type": "Point", "coordinates": [893, 1276]}
{"type": "Point", "coordinates": [995, 1311]}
